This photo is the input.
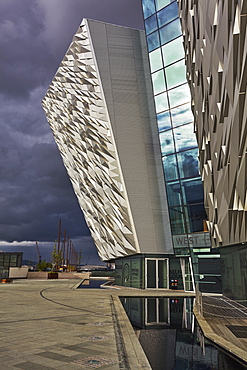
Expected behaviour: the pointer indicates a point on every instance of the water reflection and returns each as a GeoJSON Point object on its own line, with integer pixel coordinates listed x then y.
{"type": "Point", "coordinates": [171, 337]}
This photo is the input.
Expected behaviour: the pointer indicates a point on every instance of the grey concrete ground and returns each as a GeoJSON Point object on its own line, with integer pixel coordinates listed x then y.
{"type": "Point", "coordinates": [49, 324]}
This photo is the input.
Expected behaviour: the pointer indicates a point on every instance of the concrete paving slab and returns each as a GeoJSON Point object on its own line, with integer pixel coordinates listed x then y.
{"type": "Point", "coordinates": [50, 324]}
{"type": "Point", "coordinates": [218, 316]}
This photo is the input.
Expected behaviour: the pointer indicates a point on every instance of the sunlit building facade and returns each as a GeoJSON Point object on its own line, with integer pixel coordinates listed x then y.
{"type": "Point", "coordinates": [101, 111]}
{"type": "Point", "coordinates": [127, 140]}
{"type": "Point", "coordinates": [215, 39]}
{"type": "Point", "coordinates": [178, 143]}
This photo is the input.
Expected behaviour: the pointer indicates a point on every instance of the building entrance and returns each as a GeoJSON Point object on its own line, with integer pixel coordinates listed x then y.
{"type": "Point", "coordinates": [157, 273]}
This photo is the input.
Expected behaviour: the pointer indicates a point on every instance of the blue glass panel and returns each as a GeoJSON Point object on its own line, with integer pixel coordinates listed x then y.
{"type": "Point", "coordinates": [158, 79]}
{"type": "Point", "coordinates": [177, 219]}
{"type": "Point", "coordinates": [181, 115]}
{"type": "Point", "coordinates": [155, 60]}
{"type": "Point", "coordinates": [170, 167]}
{"type": "Point", "coordinates": [176, 74]}
{"type": "Point", "coordinates": [179, 95]}
{"type": "Point", "coordinates": [188, 163]}
{"type": "Point", "coordinates": [192, 191]}
{"type": "Point", "coordinates": [148, 8]}
{"type": "Point", "coordinates": [185, 137]}
{"type": "Point", "coordinates": [174, 193]}
{"type": "Point", "coordinates": [166, 142]}
{"type": "Point", "coordinates": [167, 14]}
{"type": "Point", "coordinates": [153, 41]}
{"type": "Point", "coordinates": [161, 102]}
{"type": "Point", "coordinates": [163, 121]}
{"type": "Point", "coordinates": [151, 24]}
{"type": "Point", "coordinates": [170, 31]}
{"type": "Point", "coordinates": [161, 3]}
{"type": "Point", "coordinates": [173, 51]}
{"type": "Point", "coordinates": [195, 216]}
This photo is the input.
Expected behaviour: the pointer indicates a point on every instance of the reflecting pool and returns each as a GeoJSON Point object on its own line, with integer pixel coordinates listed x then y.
{"type": "Point", "coordinates": [91, 284]}
{"type": "Point", "coordinates": [171, 337]}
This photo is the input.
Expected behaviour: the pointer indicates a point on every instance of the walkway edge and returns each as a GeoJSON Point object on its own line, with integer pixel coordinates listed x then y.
{"type": "Point", "coordinates": [131, 353]}
{"type": "Point", "coordinates": [208, 332]}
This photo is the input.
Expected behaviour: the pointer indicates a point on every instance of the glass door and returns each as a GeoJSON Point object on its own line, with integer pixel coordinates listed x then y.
{"type": "Point", "coordinates": [157, 273]}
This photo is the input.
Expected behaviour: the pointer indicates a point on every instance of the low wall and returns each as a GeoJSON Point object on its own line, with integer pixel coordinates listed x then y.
{"type": "Point", "coordinates": [61, 275]}
{"type": "Point", "coordinates": [18, 272]}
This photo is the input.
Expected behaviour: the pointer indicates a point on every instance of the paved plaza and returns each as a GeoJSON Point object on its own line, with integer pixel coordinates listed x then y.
{"type": "Point", "coordinates": [52, 325]}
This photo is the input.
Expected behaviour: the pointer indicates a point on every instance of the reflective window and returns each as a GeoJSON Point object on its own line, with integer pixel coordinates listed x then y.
{"type": "Point", "coordinates": [155, 60]}
{"type": "Point", "coordinates": [188, 163]}
{"type": "Point", "coordinates": [164, 121]}
{"type": "Point", "coordinates": [166, 142]}
{"type": "Point", "coordinates": [170, 31]}
{"type": "Point", "coordinates": [161, 3]}
{"type": "Point", "coordinates": [161, 102]}
{"type": "Point", "coordinates": [151, 24]}
{"type": "Point", "coordinates": [153, 41]}
{"type": "Point", "coordinates": [158, 79]}
{"type": "Point", "coordinates": [195, 216]}
{"type": "Point", "coordinates": [173, 51]}
{"type": "Point", "coordinates": [179, 95]}
{"type": "Point", "coordinates": [181, 115]}
{"type": "Point", "coordinates": [13, 258]}
{"type": "Point", "coordinates": [170, 167]}
{"type": "Point", "coordinates": [148, 8]}
{"type": "Point", "coordinates": [174, 193]}
{"type": "Point", "coordinates": [6, 260]}
{"type": "Point", "coordinates": [185, 137]}
{"type": "Point", "coordinates": [168, 14]}
{"type": "Point", "coordinates": [175, 74]}
{"type": "Point", "coordinates": [177, 219]}
{"type": "Point", "coordinates": [192, 191]}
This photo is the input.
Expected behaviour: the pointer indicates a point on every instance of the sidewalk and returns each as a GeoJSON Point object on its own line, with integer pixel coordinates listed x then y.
{"type": "Point", "coordinates": [49, 325]}
{"type": "Point", "coordinates": [224, 322]}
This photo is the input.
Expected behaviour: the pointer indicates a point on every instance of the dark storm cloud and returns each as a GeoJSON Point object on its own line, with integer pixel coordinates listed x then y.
{"type": "Point", "coordinates": [35, 191]}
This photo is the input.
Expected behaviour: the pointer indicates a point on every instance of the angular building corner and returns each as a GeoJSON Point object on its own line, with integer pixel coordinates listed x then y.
{"type": "Point", "coordinates": [119, 109]}
{"type": "Point", "coordinates": [101, 112]}
{"type": "Point", "coordinates": [215, 39]}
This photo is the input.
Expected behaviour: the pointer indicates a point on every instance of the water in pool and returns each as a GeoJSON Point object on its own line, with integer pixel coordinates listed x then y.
{"type": "Point", "coordinates": [171, 337]}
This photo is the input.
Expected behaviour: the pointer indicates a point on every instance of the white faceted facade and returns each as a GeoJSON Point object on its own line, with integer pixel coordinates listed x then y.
{"type": "Point", "coordinates": [101, 112]}
{"type": "Point", "coordinates": [215, 40]}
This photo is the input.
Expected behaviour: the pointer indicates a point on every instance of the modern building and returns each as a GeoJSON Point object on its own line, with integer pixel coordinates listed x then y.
{"type": "Point", "coordinates": [179, 148]}
{"type": "Point", "coordinates": [215, 39]}
{"type": "Point", "coordinates": [103, 106]}
{"type": "Point", "coordinates": [101, 111]}
{"type": "Point", "coordinates": [8, 260]}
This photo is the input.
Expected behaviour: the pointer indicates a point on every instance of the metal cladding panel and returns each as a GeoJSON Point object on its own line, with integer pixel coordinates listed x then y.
{"type": "Point", "coordinates": [215, 35]}
{"type": "Point", "coordinates": [86, 113]}
{"type": "Point", "coordinates": [133, 122]}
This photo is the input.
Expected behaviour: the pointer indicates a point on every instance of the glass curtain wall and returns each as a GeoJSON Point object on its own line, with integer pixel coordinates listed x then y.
{"type": "Point", "coordinates": [176, 129]}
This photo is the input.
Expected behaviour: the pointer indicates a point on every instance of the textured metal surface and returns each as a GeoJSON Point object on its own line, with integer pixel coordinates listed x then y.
{"type": "Point", "coordinates": [76, 111]}
{"type": "Point", "coordinates": [99, 114]}
{"type": "Point", "coordinates": [216, 52]}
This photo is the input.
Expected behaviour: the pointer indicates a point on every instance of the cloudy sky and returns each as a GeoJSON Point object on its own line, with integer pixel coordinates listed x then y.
{"type": "Point", "coordinates": [35, 191]}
